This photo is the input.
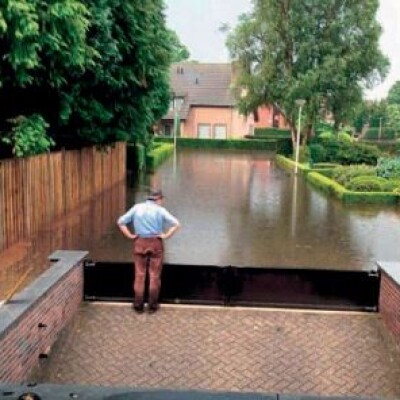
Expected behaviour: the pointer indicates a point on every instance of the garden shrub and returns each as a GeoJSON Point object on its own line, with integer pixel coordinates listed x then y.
{"type": "Point", "coordinates": [317, 152]}
{"type": "Point", "coordinates": [388, 167]}
{"type": "Point", "coordinates": [343, 152]}
{"type": "Point", "coordinates": [392, 185]}
{"type": "Point", "coordinates": [344, 174]}
{"type": "Point", "coordinates": [343, 136]}
{"type": "Point", "coordinates": [367, 184]}
{"type": "Point", "coordinates": [386, 134]}
{"type": "Point", "coordinates": [326, 135]}
{"type": "Point", "coordinates": [28, 136]}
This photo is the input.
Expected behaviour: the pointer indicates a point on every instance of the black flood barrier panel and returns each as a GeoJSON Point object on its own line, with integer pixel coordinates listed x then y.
{"type": "Point", "coordinates": [241, 286]}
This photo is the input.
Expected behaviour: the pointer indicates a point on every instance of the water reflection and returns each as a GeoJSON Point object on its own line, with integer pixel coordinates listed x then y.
{"type": "Point", "coordinates": [238, 208]}
{"type": "Point", "coordinates": [294, 205]}
{"type": "Point", "coordinates": [84, 229]}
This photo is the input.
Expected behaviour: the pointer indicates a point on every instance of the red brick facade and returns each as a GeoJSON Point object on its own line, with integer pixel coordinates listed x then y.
{"type": "Point", "coordinates": [389, 304]}
{"type": "Point", "coordinates": [31, 334]}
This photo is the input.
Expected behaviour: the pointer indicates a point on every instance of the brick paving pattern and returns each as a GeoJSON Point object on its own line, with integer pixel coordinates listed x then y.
{"type": "Point", "coordinates": [227, 349]}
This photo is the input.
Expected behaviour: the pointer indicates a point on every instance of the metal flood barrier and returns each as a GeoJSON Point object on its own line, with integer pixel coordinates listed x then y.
{"type": "Point", "coordinates": [241, 286]}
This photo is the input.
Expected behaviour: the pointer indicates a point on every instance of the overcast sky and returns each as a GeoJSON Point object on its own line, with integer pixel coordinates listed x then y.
{"type": "Point", "coordinates": [197, 21]}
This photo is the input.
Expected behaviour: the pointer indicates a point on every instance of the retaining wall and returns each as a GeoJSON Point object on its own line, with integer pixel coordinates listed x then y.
{"type": "Point", "coordinates": [31, 321]}
{"type": "Point", "coordinates": [389, 297]}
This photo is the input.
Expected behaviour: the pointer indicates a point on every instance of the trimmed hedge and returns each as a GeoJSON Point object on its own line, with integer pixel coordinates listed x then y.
{"type": "Point", "coordinates": [273, 133]}
{"type": "Point", "coordinates": [367, 184]}
{"type": "Point", "coordinates": [158, 154]}
{"type": "Point", "coordinates": [320, 180]}
{"type": "Point", "coordinates": [326, 184]}
{"type": "Point", "coordinates": [239, 144]}
{"type": "Point", "coordinates": [289, 165]}
{"type": "Point", "coordinates": [386, 134]}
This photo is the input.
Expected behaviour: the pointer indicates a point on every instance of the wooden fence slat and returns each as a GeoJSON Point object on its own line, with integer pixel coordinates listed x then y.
{"type": "Point", "coordinates": [35, 191]}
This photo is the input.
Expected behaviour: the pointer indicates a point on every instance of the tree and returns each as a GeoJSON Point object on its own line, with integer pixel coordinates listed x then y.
{"type": "Point", "coordinates": [371, 113]}
{"type": "Point", "coordinates": [179, 51]}
{"type": "Point", "coordinates": [394, 94]}
{"type": "Point", "coordinates": [324, 51]}
{"type": "Point", "coordinates": [126, 90]}
{"type": "Point", "coordinates": [91, 71]}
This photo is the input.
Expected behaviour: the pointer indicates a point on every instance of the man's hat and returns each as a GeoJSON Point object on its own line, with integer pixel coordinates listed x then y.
{"type": "Point", "coordinates": [155, 195]}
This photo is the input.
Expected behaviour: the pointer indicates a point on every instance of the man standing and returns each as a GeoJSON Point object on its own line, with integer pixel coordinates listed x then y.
{"type": "Point", "coordinates": [150, 224]}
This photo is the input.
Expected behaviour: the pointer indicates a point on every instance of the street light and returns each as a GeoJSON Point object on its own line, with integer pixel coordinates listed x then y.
{"type": "Point", "coordinates": [300, 103]}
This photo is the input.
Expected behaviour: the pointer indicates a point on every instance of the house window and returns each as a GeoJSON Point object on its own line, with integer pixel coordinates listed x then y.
{"type": "Point", "coordinates": [167, 129]}
{"type": "Point", "coordinates": [251, 129]}
{"type": "Point", "coordinates": [219, 131]}
{"type": "Point", "coordinates": [178, 102]}
{"type": "Point", "coordinates": [204, 131]}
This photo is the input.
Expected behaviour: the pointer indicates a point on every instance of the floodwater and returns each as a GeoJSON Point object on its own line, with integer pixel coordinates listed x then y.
{"type": "Point", "coordinates": [239, 208]}
{"type": "Point", "coordinates": [236, 208]}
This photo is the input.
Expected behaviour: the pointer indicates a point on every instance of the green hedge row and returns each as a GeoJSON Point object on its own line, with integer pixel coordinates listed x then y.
{"type": "Point", "coordinates": [320, 179]}
{"type": "Point", "coordinates": [386, 134]}
{"type": "Point", "coordinates": [240, 144]}
{"type": "Point", "coordinates": [329, 186]}
{"type": "Point", "coordinates": [273, 133]}
{"type": "Point", "coordinates": [158, 154]}
{"type": "Point", "coordinates": [289, 165]}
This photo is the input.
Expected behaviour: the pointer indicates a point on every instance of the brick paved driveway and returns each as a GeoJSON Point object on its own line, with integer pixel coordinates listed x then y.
{"type": "Point", "coordinates": [230, 349]}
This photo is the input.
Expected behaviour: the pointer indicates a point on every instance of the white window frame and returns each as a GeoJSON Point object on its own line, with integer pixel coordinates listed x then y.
{"type": "Point", "coordinates": [216, 126]}
{"type": "Point", "coordinates": [199, 134]}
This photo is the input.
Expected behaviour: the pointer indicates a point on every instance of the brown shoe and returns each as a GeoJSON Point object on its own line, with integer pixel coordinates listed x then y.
{"type": "Point", "coordinates": [153, 308]}
{"type": "Point", "coordinates": [138, 308]}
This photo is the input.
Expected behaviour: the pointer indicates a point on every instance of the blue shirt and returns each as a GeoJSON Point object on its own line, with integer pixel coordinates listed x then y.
{"type": "Point", "coordinates": [148, 219]}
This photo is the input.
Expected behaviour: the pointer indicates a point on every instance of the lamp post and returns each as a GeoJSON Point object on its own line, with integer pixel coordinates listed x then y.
{"type": "Point", "coordinates": [300, 103]}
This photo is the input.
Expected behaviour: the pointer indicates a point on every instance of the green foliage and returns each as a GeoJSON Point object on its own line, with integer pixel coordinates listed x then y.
{"type": "Point", "coordinates": [157, 154]}
{"type": "Point", "coordinates": [96, 70]}
{"type": "Point", "coordinates": [371, 113]}
{"type": "Point", "coordinates": [325, 184]}
{"type": "Point", "coordinates": [392, 185]}
{"type": "Point", "coordinates": [343, 175]}
{"type": "Point", "coordinates": [179, 51]}
{"type": "Point", "coordinates": [239, 144]}
{"type": "Point", "coordinates": [393, 117]}
{"type": "Point", "coordinates": [28, 136]}
{"type": "Point", "coordinates": [324, 165]}
{"type": "Point", "coordinates": [331, 187]}
{"type": "Point", "coordinates": [344, 136]}
{"type": "Point", "coordinates": [366, 184]}
{"type": "Point", "coordinates": [330, 149]}
{"type": "Point", "coordinates": [394, 94]}
{"type": "Point", "coordinates": [388, 167]}
{"type": "Point", "coordinates": [323, 53]}
{"type": "Point", "coordinates": [385, 134]}
{"type": "Point", "coordinates": [272, 133]}
{"type": "Point", "coordinates": [322, 126]}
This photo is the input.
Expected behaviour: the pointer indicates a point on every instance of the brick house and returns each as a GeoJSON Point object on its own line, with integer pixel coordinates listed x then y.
{"type": "Point", "coordinates": [203, 99]}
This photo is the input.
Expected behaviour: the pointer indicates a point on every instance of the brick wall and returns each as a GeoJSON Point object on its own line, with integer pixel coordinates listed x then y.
{"type": "Point", "coordinates": [31, 321]}
{"type": "Point", "coordinates": [389, 298]}
{"type": "Point", "coordinates": [236, 125]}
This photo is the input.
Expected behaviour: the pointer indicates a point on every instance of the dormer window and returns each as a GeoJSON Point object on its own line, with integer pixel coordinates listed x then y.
{"type": "Point", "coordinates": [176, 103]}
